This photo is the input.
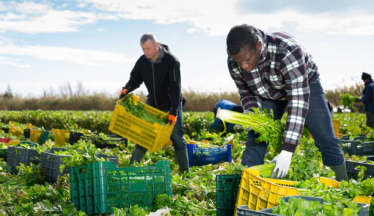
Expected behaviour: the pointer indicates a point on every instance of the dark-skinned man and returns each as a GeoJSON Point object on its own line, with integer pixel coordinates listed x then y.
{"type": "Point", "coordinates": [275, 72]}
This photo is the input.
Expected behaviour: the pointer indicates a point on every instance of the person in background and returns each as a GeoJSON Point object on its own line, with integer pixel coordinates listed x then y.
{"type": "Point", "coordinates": [368, 99]}
{"type": "Point", "coordinates": [160, 72]}
{"type": "Point", "coordinates": [227, 105]}
{"type": "Point", "coordinates": [274, 71]}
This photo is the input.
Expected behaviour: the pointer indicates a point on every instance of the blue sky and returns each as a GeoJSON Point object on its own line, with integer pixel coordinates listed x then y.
{"type": "Point", "coordinates": [46, 44]}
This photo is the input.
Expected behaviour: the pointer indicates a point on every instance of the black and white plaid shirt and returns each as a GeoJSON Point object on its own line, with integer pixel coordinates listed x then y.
{"type": "Point", "coordinates": [283, 72]}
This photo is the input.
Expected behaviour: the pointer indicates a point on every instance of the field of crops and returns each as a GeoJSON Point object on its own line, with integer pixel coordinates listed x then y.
{"type": "Point", "coordinates": [194, 193]}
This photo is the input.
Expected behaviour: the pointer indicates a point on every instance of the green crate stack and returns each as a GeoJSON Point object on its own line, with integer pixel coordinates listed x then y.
{"type": "Point", "coordinates": [97, 187]}
{"type": "Point", "coordinates": [356, 147]}
{"type": "Point", "coordinates": [227, 187]}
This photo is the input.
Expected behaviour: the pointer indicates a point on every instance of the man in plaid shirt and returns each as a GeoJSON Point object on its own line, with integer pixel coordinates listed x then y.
{"type": "Point", "coordinates": [274, 72]}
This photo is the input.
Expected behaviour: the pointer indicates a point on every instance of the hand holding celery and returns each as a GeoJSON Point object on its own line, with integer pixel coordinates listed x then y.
{"type": "Point", "coordinates": [270, 130]}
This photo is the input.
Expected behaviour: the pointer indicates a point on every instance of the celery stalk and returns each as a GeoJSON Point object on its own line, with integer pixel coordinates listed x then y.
{"type": "Point", "coordinates": [270, 130]}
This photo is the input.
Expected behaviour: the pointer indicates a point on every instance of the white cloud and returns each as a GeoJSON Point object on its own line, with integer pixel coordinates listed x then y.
{"type": "Point", "coordinates": [2, 6]}
{"type": "Point", "coordinates": [212, 17]}
{"type": "Point", "coordinates": [8, 59]}
{"type": "Point", "coordinates": [32, 8]}
{"type": "Point", "coordinates": [101, 29]}
{"type": "Point", "coordinates": [78, 56]}
{"type": "Point", "coordinates": [12, 17]}
{"type": "Point", "coordinates": [14, 64]}
{"type": "Point", "coordinates": [216, 17]}
{"type": "Point", "coordinates": [31, 17]}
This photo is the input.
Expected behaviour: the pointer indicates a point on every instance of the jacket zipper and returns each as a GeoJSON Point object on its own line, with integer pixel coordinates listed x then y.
{"type": "Point", "coordinates": [154, 85]}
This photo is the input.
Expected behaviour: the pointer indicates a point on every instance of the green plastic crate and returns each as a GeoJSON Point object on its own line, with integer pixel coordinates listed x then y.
{"type": "Point", "coordinates": [227, 187]}
{"type": "Point", "coordinates": [353, 172]}
{"type": "Point", "coordinates": [3, 154]}
{"type": "Point", "coordinates": [43, 137]}
{"type": "Point", "coordinates": [17, 155]}
{"type": "Point", "coordinates": [355, 147]}
{"type": "Point", "coordinates": [97, 187]}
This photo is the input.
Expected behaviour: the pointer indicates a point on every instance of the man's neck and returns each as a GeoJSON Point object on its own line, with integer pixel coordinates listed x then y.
{"type": "Point", "coordinates": [156, 56]}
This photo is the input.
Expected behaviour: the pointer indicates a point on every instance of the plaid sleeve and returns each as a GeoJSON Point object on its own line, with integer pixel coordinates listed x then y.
{"type": "Point", "coordinates": [293, 68]}
{"type": "Point", "coordinates": [247, 98]}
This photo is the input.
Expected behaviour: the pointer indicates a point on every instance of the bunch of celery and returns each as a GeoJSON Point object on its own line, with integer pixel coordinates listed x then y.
{"type": "Point", "coordinates": [269, 130]}
{"type": "Point", "coordinates": [136, 108]}
{"type": "Point", "coordinates": [265, 170]}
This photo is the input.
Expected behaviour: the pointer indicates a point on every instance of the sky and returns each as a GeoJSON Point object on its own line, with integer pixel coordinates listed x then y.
{"type": "Point", "coordinates": [94, 44]}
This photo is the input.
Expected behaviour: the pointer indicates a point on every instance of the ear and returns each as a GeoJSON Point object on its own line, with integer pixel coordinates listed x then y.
{"type": "Point", "coordinates": [258, 45]}
{"type": "Point", "coordinates": [157, 44]}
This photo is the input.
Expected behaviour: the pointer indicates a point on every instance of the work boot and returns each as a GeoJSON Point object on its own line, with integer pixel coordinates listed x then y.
{"type": "Point", "coordinates": [340, 172]}
{"type": "Point", "coordinates": [182, 159]}
{"type": "Point", "coordinates": [137, 154]}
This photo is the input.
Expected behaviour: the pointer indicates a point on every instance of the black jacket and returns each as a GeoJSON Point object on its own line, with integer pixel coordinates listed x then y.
{"type": "Point", "coordinates": [162, 79]}
{"type": "Point", "coordinates": [368, 96]}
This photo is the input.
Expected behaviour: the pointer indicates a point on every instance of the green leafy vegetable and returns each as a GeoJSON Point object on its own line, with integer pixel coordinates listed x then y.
{"type": "Point", "coordinates": [137, 109]}
{"type": "Point", "coordinates": [270, 130]}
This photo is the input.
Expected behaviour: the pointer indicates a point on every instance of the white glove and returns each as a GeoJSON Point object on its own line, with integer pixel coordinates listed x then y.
{"type": "Point", "coordinates": [282, 164]}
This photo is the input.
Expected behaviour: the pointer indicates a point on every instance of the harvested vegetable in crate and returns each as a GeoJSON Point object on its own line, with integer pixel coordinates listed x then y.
{"type": "Point", "coordinates": [138, 109]}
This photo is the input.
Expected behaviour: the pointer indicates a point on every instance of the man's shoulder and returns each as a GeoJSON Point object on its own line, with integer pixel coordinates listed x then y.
{"type": "Point", "coordinates": [170, 57]}
{"type": "Point", "coordinates": [141, 58]}
{"type": "Point", "coordinates": [282, 39]}
{"type": "Point", "coordinates": [371, 85]}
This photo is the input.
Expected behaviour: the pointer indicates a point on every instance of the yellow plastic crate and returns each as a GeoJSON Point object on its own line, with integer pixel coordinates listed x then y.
{"type": "Point", "coordinates": [150, 136]}
{"type": "Point", "coordinates": [362, 199]}
{"type": "Point", "coordinates": [16, 131]}
{"type": "Point", "coordinates": [61, 136]}
{"type": "Point", "coordinates": [329, 182]}
{"type": "Point", "coordinates": [336, 127]}
{"type": "Point", "coordinates": [260, 193]}
{"type": "Point", "coordinates": [28, 125]}
{"type": "Point", "coordinates": [12, 143]}
{"type": "Point", "coordinates": [35, 135]}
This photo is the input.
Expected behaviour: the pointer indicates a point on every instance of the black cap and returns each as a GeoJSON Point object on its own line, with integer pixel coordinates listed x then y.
{"type": "Point", "coordinates": [365, 76]}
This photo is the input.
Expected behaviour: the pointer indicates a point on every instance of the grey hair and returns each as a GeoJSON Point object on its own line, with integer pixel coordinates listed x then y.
{"type": "Point", "coordinates": [146, 37]}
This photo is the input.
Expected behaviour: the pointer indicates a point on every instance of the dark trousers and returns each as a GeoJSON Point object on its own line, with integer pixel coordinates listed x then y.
{"type": "Point", "coordinates": [370, 119]}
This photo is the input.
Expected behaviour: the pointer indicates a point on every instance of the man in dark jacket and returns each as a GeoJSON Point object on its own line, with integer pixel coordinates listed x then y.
{"type": "Point", "coordinates": [160, 72]}
{"type": "Point", "coordinates": [368, 99]}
